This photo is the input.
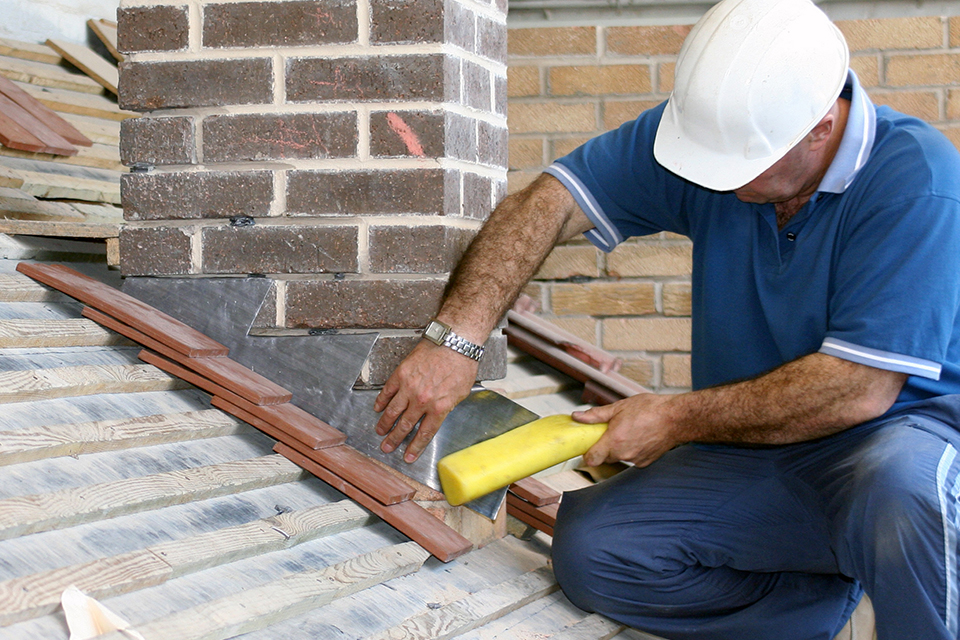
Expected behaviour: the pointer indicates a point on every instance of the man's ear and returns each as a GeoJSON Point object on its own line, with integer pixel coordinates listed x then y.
{"type": "Point", "coordinates": [821, 133]}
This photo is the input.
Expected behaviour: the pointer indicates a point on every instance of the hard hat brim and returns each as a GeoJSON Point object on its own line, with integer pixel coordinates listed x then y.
{"type": "Point", "coordinates": [708, 168]}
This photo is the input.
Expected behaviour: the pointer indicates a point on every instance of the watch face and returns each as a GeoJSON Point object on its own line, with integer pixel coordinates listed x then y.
{"type": "Point", "coordinates": [435, 332]}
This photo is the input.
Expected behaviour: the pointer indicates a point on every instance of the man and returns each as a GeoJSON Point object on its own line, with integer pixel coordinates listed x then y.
{"type": "Point", "coordinates": [816, 457]}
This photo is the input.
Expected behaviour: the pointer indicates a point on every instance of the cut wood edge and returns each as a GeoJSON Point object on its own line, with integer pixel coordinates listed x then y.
{"type": "Point", "coordinates": [593, 627]}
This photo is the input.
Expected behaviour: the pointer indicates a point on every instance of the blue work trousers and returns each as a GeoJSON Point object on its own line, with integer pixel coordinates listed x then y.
{"type": "Point", "coordinates": [717, 542]}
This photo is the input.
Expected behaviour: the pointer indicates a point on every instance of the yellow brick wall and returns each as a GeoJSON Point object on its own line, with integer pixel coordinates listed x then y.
{"type": "Point", "coordinates": [568, 84]}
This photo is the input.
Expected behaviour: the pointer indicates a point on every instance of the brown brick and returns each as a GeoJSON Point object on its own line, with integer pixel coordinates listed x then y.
{"type": "Point", "coordinates": [145, 86]}
{"type": "Point", "coordinates": [390, 350]}
{"type": "Point", "coordinates": [567, 261]}
{"type": "Point", "coordinates": [583, 328]}
{"type": "Point", "coordinates": [403, 191]}
{"type": "Point", "coordinates": [492, 40]}
{"type": "Point", "coordinates": [646, 41]}
{"type": "Point", "coordinates": [154, 251]}
{"type": "Point", "coordinates": [155, 28]}
{"type": "Point", "coordinates": [603, 299]}
{"type": "Point", "coordinates": [650, 260]}
{"type": "Point", "coordinates": [235, 138]}
{"type": "Point", "coordinates": [639, 370]}
{"type": "Point", "coordinates": [477, 87]}
{"type": "Point", "coordinates": [196, 194]}
{"type": "Point", "coordinates": [914, 70]}
{"type": "Point", "coordinates": [422, 21]}
{"type": "Point", "coordinates": [665, 73]}
{"type": "Point", "coordinates": [267, 315]}
{"type": "Point", "coordinates": [676, 371]}
{"type": "Point", "coordinates": [563, 146]}
{"type": "Point", "coordinates": [867, 68]}
{"type": "Point", "coordinates": [955, 31]}
{"type": "Point", "coordinates": [280, 249]}
{"type": "Point", "coordinates": [523, 81]}
{"type": "Point", "coordinates": [157, 141]}
{"type": "Point", "coordinates": [646, 334]}
{"type": "Point", "coordinates": [952, 134]}
{"type": "Point", "coordinates": [677, 299]}
{"type": "Point", "coordinates": [433, 77]}
{"type": "Point", "coordinates": [893, 33]}
{"type": "Point", "coordinates": [416, 249]}
{"type": "Point", "coordinates": [953, 104]}
{"type": "Point", "coordinates": [477, 196]}
{"type": "Point", "coordinates": [921, 104]}
{"type": "Point", "coordinates": [526, 153]}
{"type": "Point", "coordinates": [362, 304]}
{"type": "Point", "coordinates": [616, 112]}
{"type": "Point", "coordinates": [279, 24]}
{"type": "Point", "coordinates": [552, 41]}
{"type": "Point", "coordinates": [549, 117]}
{"type": "Point", "coordinates": [621, 79]}
{"type": "Point", "coordinates": [492, 144]}
{"type": "Point", "coordinates": [422, 134]}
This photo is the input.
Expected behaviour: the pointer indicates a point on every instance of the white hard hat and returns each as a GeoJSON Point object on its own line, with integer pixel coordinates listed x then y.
{"type": "Point", "coordinates": [752, 79]}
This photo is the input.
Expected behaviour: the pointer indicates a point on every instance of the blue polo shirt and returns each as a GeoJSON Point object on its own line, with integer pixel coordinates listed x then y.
{"type": "Point", "coordinates": [868, 270]}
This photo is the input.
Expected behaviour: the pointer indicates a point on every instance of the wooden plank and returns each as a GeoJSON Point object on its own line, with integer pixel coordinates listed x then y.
{"type": "Point", "coordinates": [50, 141]}
{"type": "Point", "coordinates": [542, 518]}
{"type": "Point", "coordinates": [98, 130]}
{"type": "Point", "coordinates": [475, 610]}
{"type": "Point", "coordinates": [535, 492]}
{"type": "Point", "coordinates": [42, 112]}
{"type": "Point", "coordinates": [127, 309]}
{"type": "Point", "coordinates": [222, 371]}
{"type": "Point", "coordinates": [23, 515]}
{"type": "Point", "coordinates": [43, 384]}
{"type": "Point", "coordinates": [89, 62]}
{"type": "Point", "coordinates": [106, 31]}
{"type": "Point", "coordinates": [342, 460]}
{"type": "Point", "coordinates": [113, 252]}
{"type": "Point", "coordinates": [19, 204]}
{"type": "Point", "coordinates": [38, 594]}
{"type": "Point", "coordinates": [69, 332]}
{"type": "Point", "coordinates": [16, 287]}
{"type": "Point", "coordinates": [593, 627]}
{"type": "Point", "coordinates": [46, 75]}
{"type": "Point", "coordinates": [284, 598]}
{"type": "Point", "coordinates": [530, 386]}
{"type": "Point", "coordinates": [26, 445]}
{"type": "Point", "coordinates": [100, 156]}
{"type": "Point", "coordinates": [56, 180]}
{"type": "Point", "coordinates": [580, 349]}
{"type": "Point", "coordinates": [84, 104]}
{"type": "Point", "coordinates": [407, 517]}
{"type": "Point", "coordinates": [15, 136]}
{"type": "Point", "coordinates": [29, 51]}
{"type": "Point", "coordinates": [89, 228]}
{"type": "Point", "coordinates": [10, 179]}
{"type": "Point", "coordinates": [282, 418]}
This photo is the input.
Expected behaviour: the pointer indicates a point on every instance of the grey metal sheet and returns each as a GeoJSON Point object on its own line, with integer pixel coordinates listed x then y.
{"type": "Point", "coordinates": [321, 370]}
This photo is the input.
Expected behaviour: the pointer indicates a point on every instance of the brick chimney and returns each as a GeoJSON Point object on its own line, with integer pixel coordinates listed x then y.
{"type": "Point", "coordinates": [347, 149]}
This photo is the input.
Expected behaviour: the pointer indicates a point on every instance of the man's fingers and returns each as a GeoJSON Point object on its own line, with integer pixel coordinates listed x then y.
{"type": "Point", "coordinates": [595, 415]}
{"type": "Point", "coordinates": [598, 453]}
{"type": "Point", "coordinates": [428, 428]}
{"type": "Point", "coordinates": [401, 429]}
{"type": "Point", "coordinates": [386, 395]}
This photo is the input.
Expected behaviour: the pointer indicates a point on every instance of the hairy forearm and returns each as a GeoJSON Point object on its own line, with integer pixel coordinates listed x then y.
{"type": "Point", "coordinates": [506, 253]}
{"type": "Point", "coordinates": [811, 397]}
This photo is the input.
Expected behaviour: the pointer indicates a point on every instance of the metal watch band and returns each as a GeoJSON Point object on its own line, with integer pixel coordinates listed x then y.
{"type": "Point", "coordinates": [461, 345]}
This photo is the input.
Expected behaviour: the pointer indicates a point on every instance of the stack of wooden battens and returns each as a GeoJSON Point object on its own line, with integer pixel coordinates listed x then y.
{"type": "Point", "coordinates": [60, 132]}
{"type": "Point", "coordinates": [534, 503]}
{"type": "Point", "coordinates": [305, 440]}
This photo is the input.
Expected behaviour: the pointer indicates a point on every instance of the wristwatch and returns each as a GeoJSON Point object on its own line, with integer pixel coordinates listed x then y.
{"type": "Point", "coordinates": [441, 334]}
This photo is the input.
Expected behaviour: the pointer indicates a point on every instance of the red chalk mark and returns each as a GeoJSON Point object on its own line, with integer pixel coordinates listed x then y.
{"type": "Point", "coordinates": [406, 134]}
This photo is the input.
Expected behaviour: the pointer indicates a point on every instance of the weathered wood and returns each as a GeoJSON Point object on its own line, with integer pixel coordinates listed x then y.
{"type": "Point", "coordinates": [475, 610]}
{"type": "Point", "coordinates": [106, 31]}
{"type": "Point", "coordinates": [73, 332]}
{"type": "Point", "coordinates": [89, 228]}
{"type": "Point", "coordinates": [25, 445]}
{"type": "Point", "coordinates": [42, 384]}
{"type": "Point", "coordinates": [10, 179]}
{"type": "Point", "coordinates": [23, 515]}
{"type": "Point", "coordinates": [593, 627]}
{"type": "Point", "coordinates": [223, 371]}
{"type": "Point", "coordinates": [84, 104]}
{"type": "Point", "coordinates": [535, 492]}
{"type": "Point", "coordinates": [127, 309]}
{"type": "Point", "coordinates": [19, 204]}
{"type": "Point", "coordinates": [17, 287]}
{"type": "Point", "coordinates": [100, 131]}
{"type": "Point", "coordinates": [52, 185]}
{"type": "Point", "coordinates": [407, 517]}
{"type": "Point", "coordinates": [29, 51]}
{"type": "Point", "coordinates": [90, 63]}
{"type": "Point", "coordinates": [46, 75]}
{"type": "Point", "coordinates": [531, 385]}
{"type": "Point", "coordinates": [37, 594]}
{"type": "Point", "coordinates": [284, 598]}
{"type": "Point", "coordinates": [99, 156]}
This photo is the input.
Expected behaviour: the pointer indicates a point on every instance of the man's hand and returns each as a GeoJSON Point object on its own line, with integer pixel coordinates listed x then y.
{"type": "Point", "coordinates": [428, 384]}
{"type": "Point", "coordinates": [639, 430]}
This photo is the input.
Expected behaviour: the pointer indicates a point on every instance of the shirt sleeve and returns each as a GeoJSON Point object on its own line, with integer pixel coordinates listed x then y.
{"type": "Point", "coordinates": [620, 186]}
{"type": "Point", "coordinates": [897, 275]}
